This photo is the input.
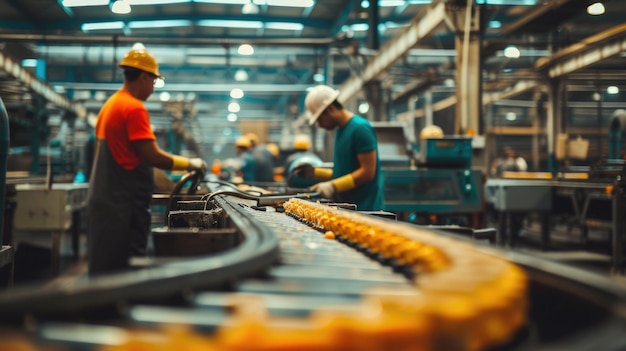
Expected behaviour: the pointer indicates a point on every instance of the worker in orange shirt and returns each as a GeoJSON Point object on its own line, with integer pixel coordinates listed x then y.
{"type": "Point", "coordinates": [121, 183]}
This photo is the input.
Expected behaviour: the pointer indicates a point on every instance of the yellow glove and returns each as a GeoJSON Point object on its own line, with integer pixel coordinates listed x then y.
{"type": "Point", "coordinates": [327, 189]}
{"type": "Point", "coordinates": [307, 171]}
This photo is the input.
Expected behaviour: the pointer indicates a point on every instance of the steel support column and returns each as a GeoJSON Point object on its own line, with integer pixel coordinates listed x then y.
{"type": "Point", "coordinates": [554, 122]}
{"type": "Point", "coordinates": [466, 23]}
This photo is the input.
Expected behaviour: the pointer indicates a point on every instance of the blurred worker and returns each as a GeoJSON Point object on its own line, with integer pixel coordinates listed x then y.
{"type": "Point", "coordinates": [121, 184]}
{"type": "Point", "coordinates": [246, 164]}
{"type": "Point", "coordinates": [302, 155]}
{"type": "Point", "coordinates": [263, 158]}
{"type": "Point", "coordinates": [356, 176]}
{"type": "Point", "coordinates": [508, 162]}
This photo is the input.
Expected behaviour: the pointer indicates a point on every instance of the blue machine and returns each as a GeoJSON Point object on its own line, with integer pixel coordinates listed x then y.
{"type": "Point", "coordinates": [432, 178]}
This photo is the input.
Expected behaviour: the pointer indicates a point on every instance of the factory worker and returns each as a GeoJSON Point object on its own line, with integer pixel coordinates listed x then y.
{"type": "Point", "coordinates": [246, 165]}
{"type": "Point", "coordinates": [508, 162]}
{"type": "Point", "coordinates": [301, 155]}
{"type": "Point", "coordinates": [356, 176]}
{"type": "Point", "coordinates": [263, 159]}
{"type": "Point", "coordinates": [121, 183]}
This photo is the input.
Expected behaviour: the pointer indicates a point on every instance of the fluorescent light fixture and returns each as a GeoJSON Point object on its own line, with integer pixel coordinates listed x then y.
{"type": "Point", "coordinates": [159, 24]}
{"type": "Point", "coordinates": [79, 3]}
{"type": "Point", "coordinates": [284, 26]}
{"type": "Point", "coordinates": [231, 24]}
{"type": "Point", "coordinates": [390, 3]}
{"type": "Point", "coordinates": [29, 63]}
{"type": "Point", "coordinates": [86, 27]}
{"type": "Point", "coordinates": [494, 24]}
{"type": "Point", "coordinates": [234, 107]}
{"type": "Point", "coordinates": [507, 2]}
{"type": "Point", "coordinates": [245, 49]}
{"type": "Point", "coordinates": [120, 7]}
{"type": "Point", "coordinates": [286, 3]}
{"type": "Point", "coordinates": [357, 27]}
{"type": "Point", "coordinates": [228, 2]}
{"type": "Point", "coordinates": [236, 93]}
{"type": "Point", "coordinates": [596, 9]}
{"type": "Point", "coordinates": [155, 2]}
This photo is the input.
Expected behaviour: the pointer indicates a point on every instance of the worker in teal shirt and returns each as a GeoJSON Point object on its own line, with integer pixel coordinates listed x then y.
{"type": "Point", "coordinates": [356, 176]}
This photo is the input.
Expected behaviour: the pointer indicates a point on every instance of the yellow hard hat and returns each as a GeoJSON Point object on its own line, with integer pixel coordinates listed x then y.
{"type": "Point", "coordinates": [243, 141]}
{"type": "Point", "coordinates": [318, 99]}
{"type": "Point", "coordinates": [141, 59]}
{"type": "Point", "coordinates": [254, 139]}
{"type": "Point", "coordinates": [302, 142]}
{"type": "Point", "coordinates": [431, 131]}
{"type": "Point", "coordinates": [273, 148]}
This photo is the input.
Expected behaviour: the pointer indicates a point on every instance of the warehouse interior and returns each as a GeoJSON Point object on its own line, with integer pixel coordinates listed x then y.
{"type": "Point", "coordinates": [521, 260]}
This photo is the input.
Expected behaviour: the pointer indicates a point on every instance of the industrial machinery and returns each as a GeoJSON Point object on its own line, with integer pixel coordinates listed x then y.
{"type": "Point", "coordinates": [436, 179]}
{"type": "Point", "coordinates": [244, 271]}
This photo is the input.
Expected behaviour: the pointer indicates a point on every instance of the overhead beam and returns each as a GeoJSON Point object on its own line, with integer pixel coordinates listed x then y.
{"type": "Point", "coordinates": [594, 49]}
{"type": "Point", "coordinates": [23, 76]}
{"type": "Point", "coordinates": [201, 88]}
{"type": "Point", "coordinates": [420, 27]}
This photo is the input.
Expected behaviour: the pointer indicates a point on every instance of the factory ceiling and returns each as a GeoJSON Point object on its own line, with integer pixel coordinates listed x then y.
{"type": "Point", "coordinates": [197, 42]}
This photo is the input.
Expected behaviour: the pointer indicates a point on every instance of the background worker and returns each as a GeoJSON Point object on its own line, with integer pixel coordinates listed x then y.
{"type": "Point", "coordinates": [356, 176]}
{"type": "Point", "coordinates": [301, 155]}
{"type": "Point", "coordinates": [263, 159]}
{"type": "Point", "coordinates": [121, 182]}
{"type": "Point", "coordinates": [246, 165]}
{"type": "Point", "coordinates": [508, 162]}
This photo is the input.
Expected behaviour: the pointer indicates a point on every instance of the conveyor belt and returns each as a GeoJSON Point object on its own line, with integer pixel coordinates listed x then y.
{"type": "Point", "coordinates": [291, 270]}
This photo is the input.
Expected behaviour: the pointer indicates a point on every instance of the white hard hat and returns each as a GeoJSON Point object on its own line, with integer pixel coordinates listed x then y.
{"type": "Point", "coordinates": [318, 99]}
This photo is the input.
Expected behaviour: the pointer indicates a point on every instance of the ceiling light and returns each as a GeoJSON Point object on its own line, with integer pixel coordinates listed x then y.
{"type": "Point", "coordinates": [236, 93]}
{"type": "Point", "coordinates": [159, 24]}
{"type": "Point", "coordinates": [231, 24]}
{"type": "Point", "coordinates": [612, 90]}
{"type": "Point", "coordinates": [241, 75]}
{"type": "Point", "coordinates": [232, 117]}
{"type": "Point", "coordinates": [511, 116]}
{"type": "Point", "coordinates": [138, 46]}
{"type": "Point", "coordinates": [120, 7]}
{"type": "Point", "coordinates": [159, 83]}
{"type": "Point", "coordinates": [596, 9]}
{"type": "Point", "coordinates": [155, 2]}
{"type": "Point", "coordinates": [230, 2]}
{"type": "Point", "coordinates": [288, 3]}
{"type": "Point", "coordinates": [250, 9]}
{"type": "Point", "coordinates": [165, 96]}
{"type": "Point", "coordinates": [78, 3]}
{"type": "Point", "coordinates": [363, 108]}
{"type": "Point", "coordinates": [245, 49]}
{"type": "Point", "coordinates": [512, 51]}
{"type": "Point", "coordinates": [365, 4]}
{"type": "Point", "coordinates": [86, 27]}
{"type": "Point", "coordinates": [318, 77]}
{"type": "Point", "coordinates": [284, 26]}
{"type": "Point", "coordinates": [234, 107]}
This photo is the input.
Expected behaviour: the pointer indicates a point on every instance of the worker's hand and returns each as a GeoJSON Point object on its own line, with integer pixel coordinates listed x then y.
{"type": "Point", "coordinates": [326, 189]}
{"type": "Point", "coordinates": [197, 164]}
{"type": "Point", "coordinates": [305, 171]}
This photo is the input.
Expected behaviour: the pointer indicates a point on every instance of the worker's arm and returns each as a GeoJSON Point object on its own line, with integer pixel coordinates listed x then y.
{"type": "Point", "coordinates": [365, 173]}
{"type": "Point", "coordinates": [152, 154]}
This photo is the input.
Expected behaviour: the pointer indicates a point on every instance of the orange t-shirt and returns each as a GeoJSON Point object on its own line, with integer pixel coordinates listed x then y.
{"type": "Point", "coordinates": [122, 120]}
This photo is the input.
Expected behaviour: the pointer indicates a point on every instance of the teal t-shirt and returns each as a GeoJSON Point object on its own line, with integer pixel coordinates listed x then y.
{"type": "Point", "coordinates": [356, 137]}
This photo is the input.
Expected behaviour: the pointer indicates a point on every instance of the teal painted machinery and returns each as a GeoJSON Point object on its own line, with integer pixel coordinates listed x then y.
{"type": "Point", "coordinates": [432, 182]}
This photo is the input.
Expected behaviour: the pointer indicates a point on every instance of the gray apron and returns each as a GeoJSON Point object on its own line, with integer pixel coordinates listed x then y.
{"type": "Point", "coordinates": [118, 212]}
